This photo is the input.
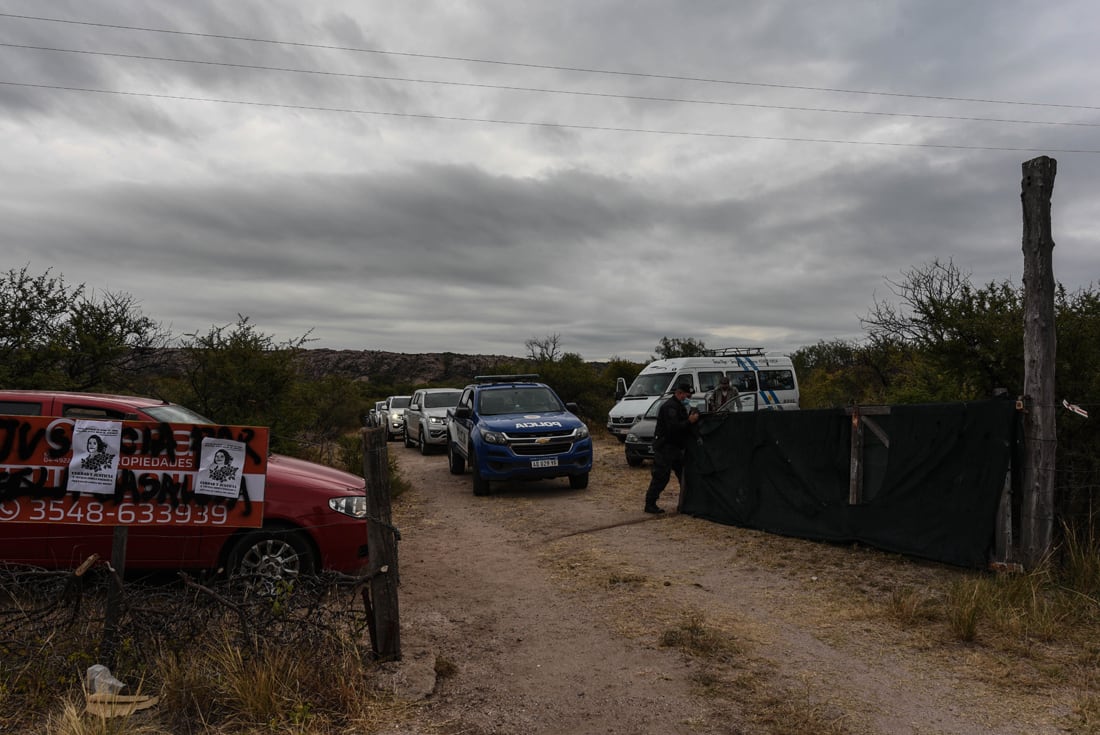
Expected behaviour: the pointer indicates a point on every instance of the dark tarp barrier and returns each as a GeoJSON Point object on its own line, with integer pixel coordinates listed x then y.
{"type": "Point", "coordinates": [932, 494]}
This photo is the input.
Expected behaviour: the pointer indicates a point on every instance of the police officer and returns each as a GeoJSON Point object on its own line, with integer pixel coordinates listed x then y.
{"type": "Point", "coordinates": [671, 437]}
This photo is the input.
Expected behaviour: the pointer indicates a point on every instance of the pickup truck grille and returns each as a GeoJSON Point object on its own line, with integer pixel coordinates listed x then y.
{"type": "Point", "coordinates": [536, 445]}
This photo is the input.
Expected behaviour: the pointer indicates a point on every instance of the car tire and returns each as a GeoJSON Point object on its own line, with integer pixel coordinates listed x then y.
{"type": "Point", "coordinates": [408, 441]}
{"type": "Point", "coordinates": [634, 460]}
{"type": "Point", "coordinates": [481, 485]}
{"type": "Point", "coordinates": [423, 444]}
{"type": "Point", "coordinates": [578, 482]}
{"type": "Point", "coordinates": [274, 553]}
{"type": "Point", "coordinates": [455, 461]}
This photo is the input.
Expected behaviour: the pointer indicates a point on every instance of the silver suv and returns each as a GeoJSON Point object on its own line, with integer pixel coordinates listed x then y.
{"type": "Point", "coordinates": [393, 418]}
{"type": "Point", "coordinates": [426, 417]}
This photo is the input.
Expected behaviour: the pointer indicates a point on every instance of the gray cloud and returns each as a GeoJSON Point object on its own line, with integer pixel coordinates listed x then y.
{"type": "Point", "coordinates": [403, 223]}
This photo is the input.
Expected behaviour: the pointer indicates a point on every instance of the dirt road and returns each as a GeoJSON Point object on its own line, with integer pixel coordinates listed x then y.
{"type": "Point", "coordinates": [541, 609]}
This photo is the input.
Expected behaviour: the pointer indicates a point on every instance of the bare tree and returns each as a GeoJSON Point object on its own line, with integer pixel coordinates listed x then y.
{"type": "Point", "coordinates": [546, 349]}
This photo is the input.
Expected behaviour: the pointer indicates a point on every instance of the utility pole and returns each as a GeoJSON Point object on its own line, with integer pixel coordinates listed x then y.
{"type": "Point", "coordinates": [1037, 500]}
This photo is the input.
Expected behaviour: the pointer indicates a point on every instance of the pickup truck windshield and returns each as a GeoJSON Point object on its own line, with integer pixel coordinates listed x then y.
{"type": "Point", "coordinates": [517, 400]}
{"type": "Point", "coordinates": [441, 400]}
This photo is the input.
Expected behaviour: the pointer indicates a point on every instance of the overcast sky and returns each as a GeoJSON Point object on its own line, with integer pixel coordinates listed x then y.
{"type": "Point", "coordinates": [431, 176]}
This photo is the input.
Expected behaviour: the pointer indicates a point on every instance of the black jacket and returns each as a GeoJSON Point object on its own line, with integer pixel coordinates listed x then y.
{"type": "Point", "coordinates": [673, 427]}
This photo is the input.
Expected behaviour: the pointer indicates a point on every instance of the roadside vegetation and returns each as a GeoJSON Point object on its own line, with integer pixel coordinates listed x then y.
{"type": "Point", "coordinates": [942, 338]}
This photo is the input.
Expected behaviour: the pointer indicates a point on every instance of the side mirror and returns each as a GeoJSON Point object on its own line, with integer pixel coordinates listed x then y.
{"type": "Point", "coordinates": [620, 388]}
{"type": "Point", "coordinates": [462, 412]}
{"type": "Point", "coordinates": [573, 408]}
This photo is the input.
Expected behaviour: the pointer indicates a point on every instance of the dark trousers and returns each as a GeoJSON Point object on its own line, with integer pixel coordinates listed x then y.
{"type": "Point", "coordinates": [666, 461]}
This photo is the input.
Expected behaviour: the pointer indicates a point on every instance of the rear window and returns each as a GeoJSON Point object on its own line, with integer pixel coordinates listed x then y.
{"type": "Point", "coordinates": [400, 401]}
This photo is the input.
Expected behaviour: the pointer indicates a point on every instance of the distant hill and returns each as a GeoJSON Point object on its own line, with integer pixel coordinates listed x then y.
{"type": "Point", "coordinates": [388, 368]}
{"type": "Point", "coordinates": [399, 367]}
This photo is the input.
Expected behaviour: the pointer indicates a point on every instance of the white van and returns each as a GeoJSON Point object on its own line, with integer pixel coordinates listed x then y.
{"type": "Point", "coordinates": [751, 371]}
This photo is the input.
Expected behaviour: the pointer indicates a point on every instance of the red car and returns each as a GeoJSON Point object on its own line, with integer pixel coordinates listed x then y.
{"type": "Point", "coordinates": [314, 517]}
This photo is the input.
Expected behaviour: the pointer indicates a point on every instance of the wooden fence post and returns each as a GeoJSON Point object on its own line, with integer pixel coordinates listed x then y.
{"type": "Point", "coordinates": [1037, 492]}
{"type": "Point", "coordinates": [380, 597]}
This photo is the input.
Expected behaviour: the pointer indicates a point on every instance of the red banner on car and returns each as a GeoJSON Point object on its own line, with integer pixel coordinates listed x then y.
{"type": "Point", "coordinates": [63, 470]}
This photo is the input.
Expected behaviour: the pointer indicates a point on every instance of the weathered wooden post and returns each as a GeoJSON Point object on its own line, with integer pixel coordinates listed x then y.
{"type": "Point", "coordinates": [1037, 498]}
{"type": "Point", "coordinates": [380, 597]}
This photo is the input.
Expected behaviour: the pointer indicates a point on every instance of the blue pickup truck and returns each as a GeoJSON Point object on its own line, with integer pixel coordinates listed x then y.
{"type": "Point", "coordinates": [511, 427]}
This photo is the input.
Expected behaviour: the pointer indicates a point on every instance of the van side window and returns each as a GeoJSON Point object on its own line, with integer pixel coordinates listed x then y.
{"type": "Point", "coordinates": [776, 380]}
{"type": "Point", "coordinates": [708, 379]}
{"type": "Point", "coordinates": [684, 378]}
{"type": "Point", "coordinates": [743, 380]}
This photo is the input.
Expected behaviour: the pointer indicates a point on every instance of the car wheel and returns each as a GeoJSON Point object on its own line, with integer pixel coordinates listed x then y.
{"type": "Point", "coordinates": [634, 460]}
{"type": "Point", "coordinates": [423, 444]}
{"type": "Point", "coordinates": [455, 460]}
{"type": "Point", "coordinates": [272, 553]}
{"type": "Point", "coordinates": [481, 485]}
{"type": "Point", "coordinates": [578, 482]}
{"type": "Point", "coordinates": [408, 441]}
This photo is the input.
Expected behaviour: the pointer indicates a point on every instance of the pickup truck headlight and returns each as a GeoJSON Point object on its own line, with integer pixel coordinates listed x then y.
{"type": "Point", "coordinates": [582, 432]}
{"type": "Point", "coordinates": [492, 437]}
{"type": "Point", "coordinates": [350, 505]}
{"type": "Point", "coordinates": [436, 420]}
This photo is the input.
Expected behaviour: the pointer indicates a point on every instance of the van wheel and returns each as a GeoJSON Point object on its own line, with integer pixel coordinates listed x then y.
{"type": "Point", "coordinates": [578, 482]}
{"type": "Point", "coordinates": [455, 460]}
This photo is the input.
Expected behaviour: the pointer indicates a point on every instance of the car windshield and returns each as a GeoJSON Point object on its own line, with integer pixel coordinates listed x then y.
{"type": "Point", "coordinates": [442, 400]}
{"type": "Point", "coordinates": [400, 401]}
{"type": "Point", "coordinates": [173, 414]}
{"type": "Point", "coordinates": [653, 384]}
{"type": "Point", "coordinates": [517, 400]}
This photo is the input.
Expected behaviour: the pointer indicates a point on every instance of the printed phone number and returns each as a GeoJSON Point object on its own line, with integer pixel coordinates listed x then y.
{"type": "Point", "coordinates": [127, 513]}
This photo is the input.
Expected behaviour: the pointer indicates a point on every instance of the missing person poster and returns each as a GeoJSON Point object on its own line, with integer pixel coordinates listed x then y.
{"type": "Point", "coordinates": [220, 465]}
{"type": "Point", "coordinates": [95, 456]}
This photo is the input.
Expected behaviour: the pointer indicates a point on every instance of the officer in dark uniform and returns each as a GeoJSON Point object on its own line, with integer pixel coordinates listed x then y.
{"type": "Point", "coordinates": [671, 437]}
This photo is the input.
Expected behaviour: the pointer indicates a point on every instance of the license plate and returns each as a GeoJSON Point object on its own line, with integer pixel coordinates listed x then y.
{"type": "Point", "coordinates": [552, 462]}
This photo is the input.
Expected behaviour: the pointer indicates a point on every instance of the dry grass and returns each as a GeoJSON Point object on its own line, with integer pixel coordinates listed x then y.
{"type": "Point", "coordinates": [308, 671]}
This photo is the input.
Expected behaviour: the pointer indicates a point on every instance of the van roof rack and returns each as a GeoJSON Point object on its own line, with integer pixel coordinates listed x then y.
{"type": "Point", "coordinates": [524, 378]}
{"type": "Point", "coordinates": [735, 352]}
